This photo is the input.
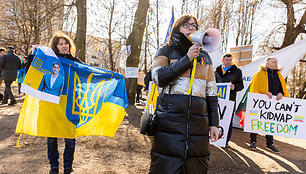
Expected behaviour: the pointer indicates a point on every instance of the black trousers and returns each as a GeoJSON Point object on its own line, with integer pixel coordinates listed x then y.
{"type": "Point", "coordinates": [8, 91]}
{"type": "Point", "coordinates": [269, 138]}
{"type": "Point", "coordinates": [138, 92]}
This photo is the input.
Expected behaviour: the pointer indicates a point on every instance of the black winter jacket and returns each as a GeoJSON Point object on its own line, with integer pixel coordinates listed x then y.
{"type": "Point", "coordinates": [9, 65]}
{"type": "Point", "coordinates": [233, 75]}
{"type": "Point", "coordinates": [181, 139]}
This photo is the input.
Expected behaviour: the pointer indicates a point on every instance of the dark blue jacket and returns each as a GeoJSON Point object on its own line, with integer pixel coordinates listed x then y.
{"type": "Point", "coordinates": [9, 65]}
{"type": "Point", "coordinates": [57, 86]}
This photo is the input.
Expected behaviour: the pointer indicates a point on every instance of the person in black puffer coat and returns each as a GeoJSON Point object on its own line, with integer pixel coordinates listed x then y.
{"type": "Point", "coordinates": [184, 122]}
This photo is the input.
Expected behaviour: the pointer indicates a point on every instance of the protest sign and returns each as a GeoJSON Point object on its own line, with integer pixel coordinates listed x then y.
{"type": "Point", "coordinates": [225, 114]}
{"type": "Point", "coordinates": [131, 72]}
{"type": "Point", "coordinates": [283, 117]}
{"type": "Point", "coordinates": [223, 90]}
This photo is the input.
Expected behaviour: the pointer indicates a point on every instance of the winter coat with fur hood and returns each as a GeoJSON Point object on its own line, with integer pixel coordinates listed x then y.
{"type": "Point", "coordinates": [260, 82]}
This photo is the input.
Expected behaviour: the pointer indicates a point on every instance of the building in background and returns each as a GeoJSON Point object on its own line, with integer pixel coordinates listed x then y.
{"type": "Point", "coordinates": [97, 52]}
{"type": "Point", "coordinates": [242, 55]}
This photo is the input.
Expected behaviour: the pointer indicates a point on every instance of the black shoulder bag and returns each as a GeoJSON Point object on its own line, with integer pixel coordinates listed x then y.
{"type": "Point", "coordinates": [148, 119]}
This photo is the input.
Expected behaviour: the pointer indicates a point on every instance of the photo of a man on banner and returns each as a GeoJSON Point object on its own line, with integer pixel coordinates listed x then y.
{"type": "Point", "coordinates": [45, 77]}
{"type": "Point", "coordinates": [52, 83]}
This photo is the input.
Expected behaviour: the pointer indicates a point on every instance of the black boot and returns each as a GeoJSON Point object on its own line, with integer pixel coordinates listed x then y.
{"type": "Point", "coordinates": [54, 171]}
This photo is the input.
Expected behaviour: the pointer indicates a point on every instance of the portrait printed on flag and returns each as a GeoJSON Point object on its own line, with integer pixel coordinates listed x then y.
{"type": "Point", "coordinates": [45, 77]}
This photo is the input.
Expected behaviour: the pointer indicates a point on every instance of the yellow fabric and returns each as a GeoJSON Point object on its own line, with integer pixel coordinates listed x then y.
{"type": "Point", "coordinates": [260, 83]}
{"type": "Point", "coordinates": [41, 118]}
{"type": "Point", "coordinates": [223, 72]}
{"type": "Point", "coordinates": [17, 144]}
{"type": "Point", "coordinates": [33, 82]}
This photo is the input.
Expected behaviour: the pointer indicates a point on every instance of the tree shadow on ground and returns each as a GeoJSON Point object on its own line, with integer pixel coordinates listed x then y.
{"type": "Point", "coordinates": [243, 160]}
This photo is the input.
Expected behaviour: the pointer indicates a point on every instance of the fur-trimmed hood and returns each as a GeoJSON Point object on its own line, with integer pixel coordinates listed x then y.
{"type": "Point", "coordinates": [264, 67]}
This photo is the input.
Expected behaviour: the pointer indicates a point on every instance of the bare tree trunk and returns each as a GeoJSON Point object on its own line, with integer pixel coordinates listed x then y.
{"type": "Point", "coordinates": [146, 46]}
{"type": "Point", "coordinates": [110, 45]}
{"type": "Point", "coordinates": [157, 23]}
{"type": "Point", "coordinates": [36, 23]}
{"type": "Point", "coordinates": [292, 31]}
{"type": "Point", "coordinates": [135, 40]}
{"type": "Point", "coordinates": [80, 38]}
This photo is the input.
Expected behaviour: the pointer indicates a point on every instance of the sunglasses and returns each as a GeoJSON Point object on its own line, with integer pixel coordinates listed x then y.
{"type": "Point", "coordinates": [187, 25]}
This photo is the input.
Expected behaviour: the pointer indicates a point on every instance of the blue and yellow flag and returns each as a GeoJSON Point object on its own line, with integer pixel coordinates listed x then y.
{"type": "Point", "coordinates": [170, 25]}
{"type": "Point", "coordinates": [93, 102]}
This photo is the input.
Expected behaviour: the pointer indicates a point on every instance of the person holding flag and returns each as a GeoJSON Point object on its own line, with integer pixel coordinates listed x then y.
{"type": "Point", "coordinates": [186, 119]}
{"type": "Point", "coordinates": [62, 46]}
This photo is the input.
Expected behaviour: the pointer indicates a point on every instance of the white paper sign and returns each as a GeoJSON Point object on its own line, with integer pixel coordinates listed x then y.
{"type": "Point", "coordinates": [283, 117]}
{"type": "Point", "coordinates": [223, 90]}
{"type": "Point", "coordinates": [131, 72]}
{"type": "Point", "coordinates": [225, 113]}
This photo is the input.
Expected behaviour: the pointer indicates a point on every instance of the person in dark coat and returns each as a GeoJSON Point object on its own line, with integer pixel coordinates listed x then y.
{"type": "Point", "coordinates": [268, 80]}
{"type": "Point", "coordinates": [9, 65]}
{"type": "Point", "coordinates": [229, 72]}
{"type": "Point", "coordinates": [185, 122]}
{"type": "Point", "coordinates": [147, 80]}
{"type": "Point", "coordinates": [2, 52]}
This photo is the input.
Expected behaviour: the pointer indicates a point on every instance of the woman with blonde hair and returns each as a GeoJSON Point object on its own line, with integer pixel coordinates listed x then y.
{"type": "Point", "coordinates": [62, 46]}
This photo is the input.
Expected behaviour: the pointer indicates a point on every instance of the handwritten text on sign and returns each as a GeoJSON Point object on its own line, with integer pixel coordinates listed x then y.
{"type": "Point", "coordinates": [283, 117]}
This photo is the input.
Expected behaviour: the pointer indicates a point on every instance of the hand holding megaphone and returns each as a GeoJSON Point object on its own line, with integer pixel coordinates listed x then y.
{"type": "Point", "coordinates": [193, 51]}
{"type": "Point", "coordinates": [210, 39]}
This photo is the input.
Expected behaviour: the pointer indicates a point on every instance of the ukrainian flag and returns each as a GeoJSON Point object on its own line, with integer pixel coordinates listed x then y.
{"type": "Point", "coordinates": [93, 102]}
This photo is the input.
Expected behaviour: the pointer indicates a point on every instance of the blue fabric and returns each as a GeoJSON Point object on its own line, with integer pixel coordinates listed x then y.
{"type": "Point", "coordinates": [57, 87]}
{"type": "Point", "coordinates": [169, 27]}
{"type": "Point", "coordinates": [88, 80]}
{"type": "Point", "coordinates": [21, 75]}
{"type": "Point", "coordinates": [226, 68]}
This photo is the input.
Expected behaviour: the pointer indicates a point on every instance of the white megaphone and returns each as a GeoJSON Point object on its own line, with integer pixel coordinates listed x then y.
{"type": "Point", "coordinates": [210, 39]}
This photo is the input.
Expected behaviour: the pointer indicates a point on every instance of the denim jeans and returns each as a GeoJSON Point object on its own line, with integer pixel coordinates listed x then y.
{"type": "Point", "coordinates": [53, 154]}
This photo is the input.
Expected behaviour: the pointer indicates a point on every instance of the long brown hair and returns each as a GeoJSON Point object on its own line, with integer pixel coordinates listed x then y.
{"type": "Point", "coordinates": [60, 35]}
{"type": "Point", "coordinates": [179, 22]}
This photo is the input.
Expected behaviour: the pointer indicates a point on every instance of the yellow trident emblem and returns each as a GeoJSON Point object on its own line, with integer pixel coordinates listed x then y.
{"type": "Point", "coordinates": [86, 105]}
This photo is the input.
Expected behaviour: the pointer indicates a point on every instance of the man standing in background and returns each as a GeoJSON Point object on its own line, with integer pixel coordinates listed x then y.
{"type": "Point", "coordinates": [268, 80]}
{"type": "Point", "coordinates": [229, 72]}
{"type": "Point", "coordinates": [9, 65]}
{"type": "Point", "coordinates": [2, 52]}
